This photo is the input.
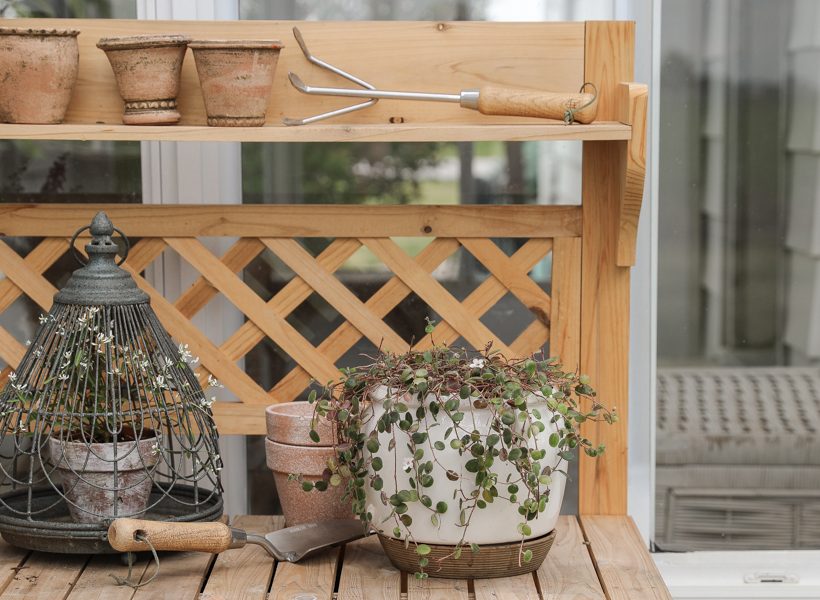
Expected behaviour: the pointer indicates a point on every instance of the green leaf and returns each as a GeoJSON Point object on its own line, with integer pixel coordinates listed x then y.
{"type": "Point", "coordinates": [527, 555]}
{"type": "Point", "coordinates": [314, 436]}
{"type": "Point", "coordinates": [423, 549]}
{"type": "Point", "coordinates": [373, 444]}
{"type": "Point", "coordinates": [376, 464]}
{"type": "Point", "coordinates": [335, 480]}
{"type": "Point", "coordinates": [458, 417]}
{"type": "Point", "coordinates": [407, 520]}
{"type": "Point", "coordinates": [434, 520]}
{"type": "Point", "coordinates": [377, 484]}
{"type": "Point", "coordinates": [439, 445]}
{"type": "Point", "coordinates": [312, 396]}
{"type": "Point", "coordinates": [307, 485]}
{"type": "Point", "coordinates": [464, 392]}
{"type": "Point", "coordinates": [321, 485]}
{"type": "Point", "coordinates": [475, 548]}
{"type": "Point", "coordinates": [441, 507]}
{"type": "Point", "coordinates": [427, 356]}
{"type": "Point", "coordinates": [554, 439]}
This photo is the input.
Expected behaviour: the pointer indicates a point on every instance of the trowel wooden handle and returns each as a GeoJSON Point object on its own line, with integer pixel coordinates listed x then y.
{"type": "Point", "coordinates": [124, 534]}
{"type": "Point", "coordinates": [528, 103]}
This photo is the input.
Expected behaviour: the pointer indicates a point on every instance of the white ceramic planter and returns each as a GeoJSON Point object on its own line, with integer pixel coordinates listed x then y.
{"type": "Point", "coordinates": [495, 524]}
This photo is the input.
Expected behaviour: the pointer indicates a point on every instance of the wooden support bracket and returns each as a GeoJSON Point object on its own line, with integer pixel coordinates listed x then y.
{"type": "Point", "coordinates": [632, 108]}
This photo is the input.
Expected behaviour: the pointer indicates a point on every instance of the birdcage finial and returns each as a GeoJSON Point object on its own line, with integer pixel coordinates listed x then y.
{"type": "Point", "coordinates": [101, 282]}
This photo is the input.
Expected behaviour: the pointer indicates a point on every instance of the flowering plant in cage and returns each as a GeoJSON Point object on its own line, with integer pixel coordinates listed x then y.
{"type": "Point", "coordinates": [456, 449]}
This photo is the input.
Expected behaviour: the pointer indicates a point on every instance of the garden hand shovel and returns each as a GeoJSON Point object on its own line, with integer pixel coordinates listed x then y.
{"type": "Point", "coordinates": [290, 544]}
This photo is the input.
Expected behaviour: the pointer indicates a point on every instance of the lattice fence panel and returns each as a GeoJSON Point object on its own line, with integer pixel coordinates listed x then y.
{"type": "Point", "coordinates": [553, 317]}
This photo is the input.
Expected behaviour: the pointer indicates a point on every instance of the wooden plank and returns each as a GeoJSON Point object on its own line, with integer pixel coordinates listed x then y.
{"type": "Point", "coordinates": [434, 294]}
{"type": "Point", "coordinates": [200, 293]}
{"type": "Point", "coordinates": [38, 260]}
{"type": "Point", "coordinates": [565, 332]}
{"type": "Point", "coordinates": [11, 350]}
{"type": "Point", "coordinates": [520, 587]}
{"type": "Point", "coordinates": [96, 582]}
{"type": "Point", "coordinates": [436, 589]}
{"type": "Point", "coordinates": [275, 327]}
{"type": "Point", "coordinates": [34, 285]}
{"type": "Point", "coordinates": [381, 302]}
{"type": "Point", "coordinates": [11, 560]}
{"type": "Point", "coordinates": [515, 280]}
{"type": "Point", "coordinates": [314, 577]}
{"type": "Point", "coordinates": [45, 577]}
{"type": "Point", "coordinates": [442, 56]}
{"type": "Point", "coordinates": [490, 291]}
{"type": "Point", "coordinates": [633, 99]}
{"type": "Point", "coordinates": [626, 569]}
{"type": "Point", "coordinates": [416, 132]}
{"type": "Point", "coordinates": [336, 294]}
{"type": "Point", "coordinates": [605, 286]}
{"type": "Point", "coordinates": [568, 572]}
{"type": "Point", "coordinates": [243, 573]}
{"type": "Point", "coordinates": [367, 573]}
{"type": "Point", "coordinates": [297, 220]}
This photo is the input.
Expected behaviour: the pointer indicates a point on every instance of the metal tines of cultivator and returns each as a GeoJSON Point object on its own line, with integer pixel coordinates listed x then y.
{"type": "Point", "coordinates": [104, 417]}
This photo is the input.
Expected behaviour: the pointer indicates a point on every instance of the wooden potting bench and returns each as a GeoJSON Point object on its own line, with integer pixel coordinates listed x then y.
{"type": "Point", "coordinates": [584, 318]}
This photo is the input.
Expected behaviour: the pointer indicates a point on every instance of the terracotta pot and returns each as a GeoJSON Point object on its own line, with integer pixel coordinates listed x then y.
{"type": "Point", "coordinates": [236, 79]}
{"type": "Point", "coordinates": [290, 422]}
{"type": "Point", "coordinates": [38, 68]}
{"type": "Point", "coordinates": [86, 473]}
{"type": "Point", "coordinates": [147, 68]}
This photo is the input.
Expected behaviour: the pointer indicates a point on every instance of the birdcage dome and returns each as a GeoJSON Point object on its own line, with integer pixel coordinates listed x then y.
{"type": "Point", "coordinates": [105, 416]}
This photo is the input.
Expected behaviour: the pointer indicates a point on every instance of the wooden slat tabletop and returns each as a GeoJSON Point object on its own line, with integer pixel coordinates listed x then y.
{"type": "Point", "coordinates": [594, 558]}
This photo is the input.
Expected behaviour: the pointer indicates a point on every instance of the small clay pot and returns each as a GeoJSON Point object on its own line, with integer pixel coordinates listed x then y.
{"type": "Point", "coordinates": [290, 423]}
{"type": "Point", "coordinates": [38, 70]}
{"type": "Point", "coordinates": [289, 449]}
{"type": "Point", "coordinates": [300, 506]}
{"type": "Point", "coordinates": [147, 68]}
{"type": "Point", "coordinates": [86, 473]}
{"type": "Point", "coordinates": [236, 79]}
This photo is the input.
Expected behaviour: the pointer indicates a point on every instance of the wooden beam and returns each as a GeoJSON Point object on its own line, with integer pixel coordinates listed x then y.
{"type": "Point", "coordinates": [604, 285]}
{"type": "Point", "coordinates": [633, 99]}
{"type": "Point", "coordinates": [297, 220]}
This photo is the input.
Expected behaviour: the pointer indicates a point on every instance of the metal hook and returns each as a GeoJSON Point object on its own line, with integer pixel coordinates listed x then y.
{"type": "Point", "coordinates": [294, 79]}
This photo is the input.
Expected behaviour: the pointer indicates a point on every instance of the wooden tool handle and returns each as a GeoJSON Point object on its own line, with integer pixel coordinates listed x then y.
{"type": "Point", "coordinates": [195, 537]}
{"type": "Point", "coordinates": [528, 103]}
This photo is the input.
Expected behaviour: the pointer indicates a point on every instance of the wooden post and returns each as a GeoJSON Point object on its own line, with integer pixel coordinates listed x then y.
{"type": "Point", "coordinates": [609, 59]}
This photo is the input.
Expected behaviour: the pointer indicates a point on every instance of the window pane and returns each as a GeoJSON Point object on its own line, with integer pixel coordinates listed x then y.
{"type": "Point", "coordinates": [738, 449]}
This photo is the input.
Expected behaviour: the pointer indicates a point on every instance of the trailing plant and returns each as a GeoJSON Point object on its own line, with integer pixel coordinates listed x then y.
{"type": "Point", "coordinates": [424, 389]}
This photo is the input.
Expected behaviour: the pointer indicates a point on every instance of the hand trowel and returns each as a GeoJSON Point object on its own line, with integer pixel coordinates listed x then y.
{"type": "Point", "coordinates": [290, 544]}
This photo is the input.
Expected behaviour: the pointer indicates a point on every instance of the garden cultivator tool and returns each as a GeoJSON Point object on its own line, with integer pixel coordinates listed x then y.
{"type": "Point", "coordinates": [488, 100]}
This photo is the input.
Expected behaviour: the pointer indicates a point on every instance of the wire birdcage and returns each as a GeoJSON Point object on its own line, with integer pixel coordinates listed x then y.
{"type": "Point", "coordinates": [104, 417]}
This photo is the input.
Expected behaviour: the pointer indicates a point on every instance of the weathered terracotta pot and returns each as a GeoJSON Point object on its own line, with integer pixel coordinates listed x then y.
{"type": "Point", "coordinates": [236, 79]}
{"type": "Point", "coordinates": [147, 68]}
{"type": "Point", "coordinates": [38, 70]}
{"type": "Point", "coordinates": [86, 473]}
{"type": "Point", "coordinates": [290, 422]}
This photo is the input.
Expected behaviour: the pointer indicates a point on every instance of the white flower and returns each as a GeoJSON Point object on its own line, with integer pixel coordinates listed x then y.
{"type": "Point", "coordinates": [160, 381]}
{"type": "Point", "coordinates": [12, 376]}
{"type": "Point", "coordinates": [62, 376]}
{"type": "Point", "coordinates": [167, 363]}
{"type": "Point", "coordinates": [407, 465]}
{"type": "Point", "coordinates": [43, 319]}
{"type": "Point", "coordinates": [206, 403]}
{"type": "Point", "coordinates": [28, 342]}
{"type": "Point", "coordinates": [21, 426]}
{"type": "Point", "coordinates": [185, 354]}
{"type": "Point", "coordinates": [155, 448]}
{"type": "Point", "coordinates": [214, 382]}
{"type": "Point", "coordinates": [477, 363]}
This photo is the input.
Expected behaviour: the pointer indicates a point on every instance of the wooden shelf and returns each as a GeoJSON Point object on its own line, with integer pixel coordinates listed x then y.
{"type": "Point", "coordinates": [417, 132]}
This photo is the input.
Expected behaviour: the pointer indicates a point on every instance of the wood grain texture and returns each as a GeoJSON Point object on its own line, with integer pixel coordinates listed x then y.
{"type": "Point", "coordinates": [243, 573]}
{"type": "Point", "coordinates": [38, 260]}
{"type": "Point", "coordinates": [171, 536]}
{"type": "Point", "coordinates": [436, 589]}
{"type": "Point", "coordinates": [45, 577]}
{"type": "Point", "coordinates": [314, 576]}
{"type": "Point", "coordinates": [296, 220]}
{"type": "Point", "coordinates": [528, 103]}
{"type": "Point", "coordinates": [11, 560]}
{"type": "Point", "coordinates": [367, 573]}
{"type": "Point", "coordinates": [334, 291]}
{"type": "Point", "coordinates": [420, 56]}
{"type": "Point", "coordinates": [34, 285]}
{"type": "Point", "coordinates": [96, 582]}
{"type": "Point", "coordinates": [421, 132]}
{"type": "Point", "coordinates": [568, 572]}
{"type": "Point", "coordinates": [625, 566]}
{"type": "Point", "coordinates": [520, 587]}
{"type": "Point", "coordinates": [633, 99]}
{"type": "Point", "coordinates": [434, 294]}
{"type": "Point", "coordinates": [565, 326]}
{"type": "Point", "coordinates": [604, 285]}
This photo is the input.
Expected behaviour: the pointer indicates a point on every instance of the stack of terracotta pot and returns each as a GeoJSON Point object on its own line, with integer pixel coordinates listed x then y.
{"type": "Point", "coordinates": [290, 450]}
